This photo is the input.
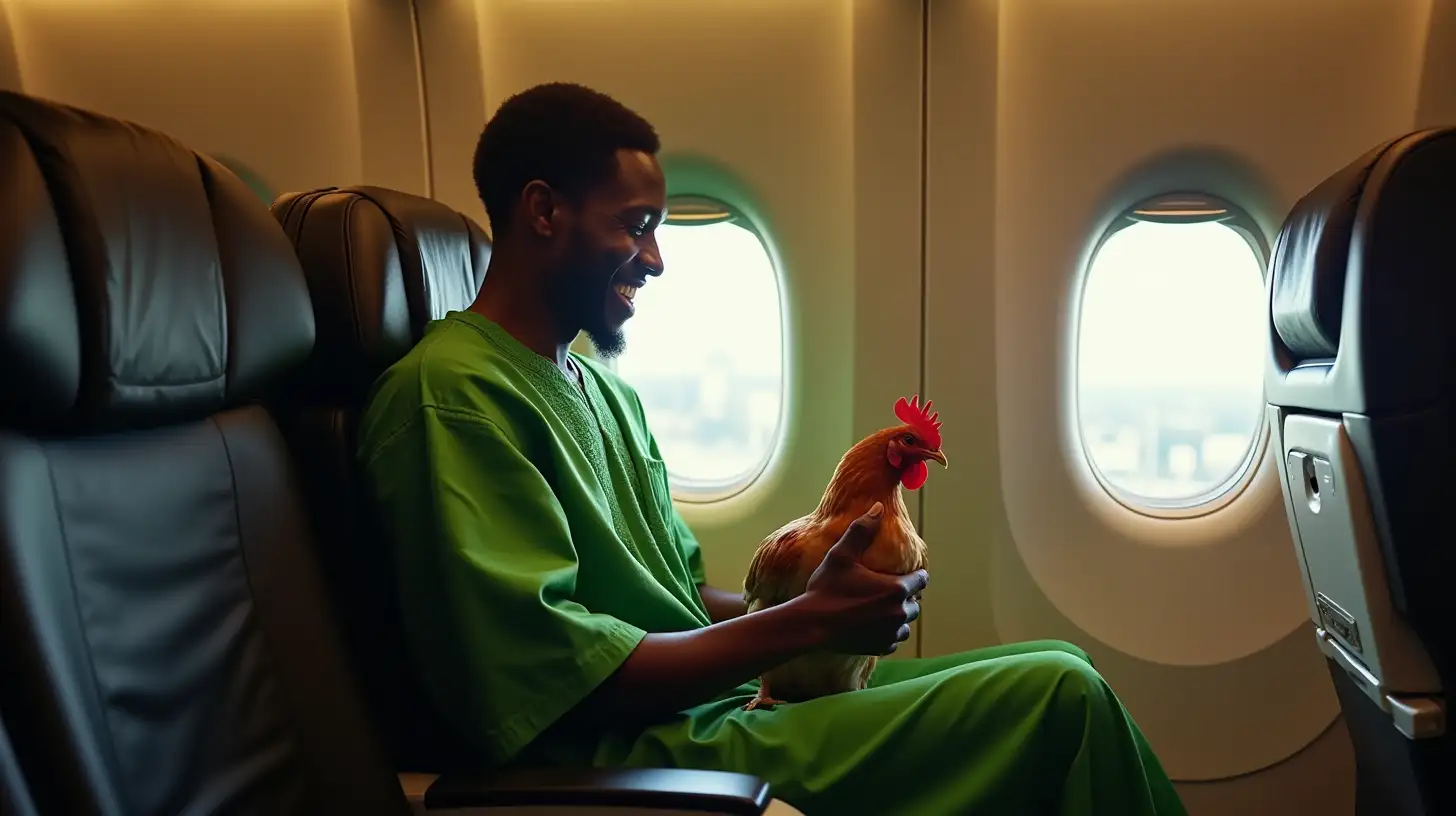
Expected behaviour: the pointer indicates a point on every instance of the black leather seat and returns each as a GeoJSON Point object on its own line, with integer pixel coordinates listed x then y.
{"type": "Point", "coordinates": [1361, 383]}
{"type": "Point", "coordinates": [14, 792]}
{"type": "Point", "coordinates": [164, 631]}
{"type": "Point", "coordinates": [380, 265]}
{"type": "Point", "coordinates": [165, 645]}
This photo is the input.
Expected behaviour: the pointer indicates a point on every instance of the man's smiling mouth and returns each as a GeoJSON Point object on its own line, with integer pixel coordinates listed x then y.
{"type": "Point", "coordinates": [626, 292]}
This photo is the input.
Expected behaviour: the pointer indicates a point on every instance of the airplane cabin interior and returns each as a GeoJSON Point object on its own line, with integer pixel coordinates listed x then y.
{"type": "Point", "coordinates": [1179, 278]}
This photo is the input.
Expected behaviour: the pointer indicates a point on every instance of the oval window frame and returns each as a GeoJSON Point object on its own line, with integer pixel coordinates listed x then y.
{"type": "Point", "coordinates": [1174, 207]}
{"type": "Point", "coordinates": [699, 209]}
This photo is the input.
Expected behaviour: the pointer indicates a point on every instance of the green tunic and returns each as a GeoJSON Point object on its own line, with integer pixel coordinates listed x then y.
{"type": "Point", "coordinates": [537, 544]}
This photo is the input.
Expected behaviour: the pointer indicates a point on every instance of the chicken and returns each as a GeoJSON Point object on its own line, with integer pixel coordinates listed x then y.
{"type": "Point", "coordinates": [872, 471]}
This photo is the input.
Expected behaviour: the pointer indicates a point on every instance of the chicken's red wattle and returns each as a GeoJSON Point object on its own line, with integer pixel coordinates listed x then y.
{"type": "Point", "coordinates": [915, 475]}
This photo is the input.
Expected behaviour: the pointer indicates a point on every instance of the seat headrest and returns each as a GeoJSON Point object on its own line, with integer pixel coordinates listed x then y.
{"type": "Point", "coordinates": [380, 264]}
{"type": "Point", "coordinates": [1377, 214]}
{"type": "Point", "coordinates": [141, 283]}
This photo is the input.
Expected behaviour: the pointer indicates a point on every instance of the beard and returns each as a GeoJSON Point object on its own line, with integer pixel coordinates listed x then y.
{"type": "Point", "coordinates": [583, 285]}
{"type": "Point", "coordinates": [607, 341]}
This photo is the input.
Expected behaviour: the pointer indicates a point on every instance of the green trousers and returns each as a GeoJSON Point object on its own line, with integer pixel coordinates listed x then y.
{"type": "Point", "coordinates": [1024, 728]}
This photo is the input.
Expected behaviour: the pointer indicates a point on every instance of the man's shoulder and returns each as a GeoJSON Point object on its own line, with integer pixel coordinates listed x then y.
{"type": "Point", "coordinates": [454, 369]}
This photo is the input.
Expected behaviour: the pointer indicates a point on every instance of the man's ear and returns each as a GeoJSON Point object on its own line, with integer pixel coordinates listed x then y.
{"type": "Point", "coordinates": [539, 206]}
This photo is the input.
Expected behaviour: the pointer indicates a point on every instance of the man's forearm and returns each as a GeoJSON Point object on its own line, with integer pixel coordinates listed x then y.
{"type": "Point", "coordinates": [674, 671]}
{"type": "Point", "coordinates": [722, 605]}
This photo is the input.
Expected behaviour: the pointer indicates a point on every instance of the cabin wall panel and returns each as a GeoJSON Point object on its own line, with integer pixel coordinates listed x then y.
{"type": "Point", "coordinates": [9, 60]}
{"type": "Point", "coordinates": [387, 83]}
{"type": "Point", "coordinates": [888, 283]}
{"type": "Point", "coordinates": [963, 506]}
{"type": "Point", "coordinates": [1438, 76]}
{"type": "Point", "coordinates": [1199, 625]}
{"type": "Point", "coordinates": [454, 86]}
{"type": "Point", "coordinates": [308, 93]}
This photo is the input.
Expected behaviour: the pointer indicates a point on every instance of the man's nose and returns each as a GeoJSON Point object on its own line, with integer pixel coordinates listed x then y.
{"type": "Point", "coordinates": [651, 259]}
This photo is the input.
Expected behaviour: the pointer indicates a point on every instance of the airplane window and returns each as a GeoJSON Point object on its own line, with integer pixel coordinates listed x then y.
{"type": "Point", "coordinates": [705, 350]}
{"type": "Point", "coordinates": [1170, 353]}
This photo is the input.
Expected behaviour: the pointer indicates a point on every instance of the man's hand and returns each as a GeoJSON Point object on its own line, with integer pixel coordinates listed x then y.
{"type": "Point", "coordinates": [862, 611]}
{"type": "Point", "coordinates": [847, 608]}
{"type": "Point", "coordinates": [722, 605]}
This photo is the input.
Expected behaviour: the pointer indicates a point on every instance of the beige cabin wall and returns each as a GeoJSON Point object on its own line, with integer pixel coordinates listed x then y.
{"type": "Point", "coordinates": [307, 93]}
{"type": "Point", "coordinates": [454, 86]}
{"type": "Point", "coordinates": [9, 61]}
{"type": "Point", "coordinates": [1038, 111]}
{"type": "Point", "coordinates": [1437, 104]}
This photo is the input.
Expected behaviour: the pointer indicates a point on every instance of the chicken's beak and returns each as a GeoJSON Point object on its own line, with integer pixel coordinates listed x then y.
{"type": "Point", "coordinates": [937, 456]}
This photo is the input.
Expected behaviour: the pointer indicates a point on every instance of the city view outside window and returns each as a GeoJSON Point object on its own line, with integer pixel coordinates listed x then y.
{"type": "Point", "coordinates": [705, 353]}
{"type": "Point", "coordinates": [1170, 354]}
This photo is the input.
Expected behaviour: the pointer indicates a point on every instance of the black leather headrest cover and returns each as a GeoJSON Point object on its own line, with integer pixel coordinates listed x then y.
{"type": "Point", "coordinates": [140, 283]}
{"type": "Point", "coordinates": [1334, 228]}
{"type": "Point", "coordinates": [1310, 260]}
{"type": "Point", "coordinates": [381, 264]}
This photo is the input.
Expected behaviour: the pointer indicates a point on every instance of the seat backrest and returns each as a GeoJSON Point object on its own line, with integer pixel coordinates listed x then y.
{"type": "Point", "coordinates": [1361, 383]}
{"type": "Point", "coordinates": [380, 264]}
{"type": "Point", "coordinates": [14, 792]}
{"type": "Point", "coordinates": [165, 647]}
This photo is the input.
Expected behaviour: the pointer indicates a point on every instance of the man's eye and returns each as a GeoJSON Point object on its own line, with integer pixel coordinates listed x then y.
{"type": "Point", "coordinates": [636, 227]}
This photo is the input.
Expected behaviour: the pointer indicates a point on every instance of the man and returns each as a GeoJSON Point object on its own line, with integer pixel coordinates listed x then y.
{"type": "Point", "coordinates": [556, 602]}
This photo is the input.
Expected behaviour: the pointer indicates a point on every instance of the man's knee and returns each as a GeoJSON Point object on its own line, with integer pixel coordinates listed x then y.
{"type": "Point", "coordinates": [1062, 687]}
{"type": "Point", "coordinates": [1064, 647]}
{"type": "Point", "coordinates": [1075, 697]}
{"type": "Point", "coordinates": [1071, 672]}
{"type": "Point", "coordinates": [1055, 687]}
{"type": "Point", "coordinates": [1058, 674]}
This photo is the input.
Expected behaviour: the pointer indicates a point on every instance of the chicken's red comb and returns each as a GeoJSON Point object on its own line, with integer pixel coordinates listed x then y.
{"type": "Point", "coordinates": [926, 424]}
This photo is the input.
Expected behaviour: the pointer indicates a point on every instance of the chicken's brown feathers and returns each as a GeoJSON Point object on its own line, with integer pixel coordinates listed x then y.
{"type": "Point", "coordinates": [777, 572]}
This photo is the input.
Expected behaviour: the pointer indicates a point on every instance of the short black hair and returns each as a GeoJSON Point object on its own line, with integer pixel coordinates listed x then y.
{"type": "Point", "coordinates": [564, 134]}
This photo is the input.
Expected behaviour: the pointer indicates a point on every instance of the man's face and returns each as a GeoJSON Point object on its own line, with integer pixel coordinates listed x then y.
{"type": "Point", "coordinates": [609, 250]}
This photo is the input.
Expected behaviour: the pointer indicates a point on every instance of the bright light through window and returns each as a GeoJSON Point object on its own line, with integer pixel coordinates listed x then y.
{"type": "Point", "coordinates": [705, 353]}
{"type": "Point", "coordinates": [1170, 360]}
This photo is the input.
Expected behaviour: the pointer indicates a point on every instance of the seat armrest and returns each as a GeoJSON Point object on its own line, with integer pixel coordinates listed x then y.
{"type": "Point", "coordinates": [638, 789]}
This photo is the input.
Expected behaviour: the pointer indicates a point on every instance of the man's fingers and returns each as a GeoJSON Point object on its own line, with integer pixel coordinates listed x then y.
{"type": "Point", "coordinates": [912, 611]}
{"type": "Point", "coordinates": [915, 583]}
{"type": "Point", "coordinates": [859, 535]}
{"type": "Point", "coordinates": [904, 633]}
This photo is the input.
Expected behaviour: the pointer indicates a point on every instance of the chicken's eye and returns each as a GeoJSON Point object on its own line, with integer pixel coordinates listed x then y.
{"type": "Point", "coordinates": [908, 439]}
